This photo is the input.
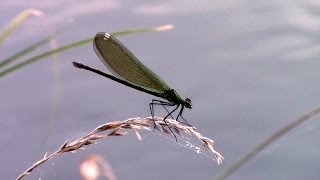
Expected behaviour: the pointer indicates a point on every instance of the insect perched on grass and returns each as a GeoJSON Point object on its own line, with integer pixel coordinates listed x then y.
{"type": "Point", "coordinates": [129, 71]}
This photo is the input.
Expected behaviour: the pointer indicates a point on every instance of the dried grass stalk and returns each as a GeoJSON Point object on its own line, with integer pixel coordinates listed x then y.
{"type": "Point", "coordinates": [119, 128]}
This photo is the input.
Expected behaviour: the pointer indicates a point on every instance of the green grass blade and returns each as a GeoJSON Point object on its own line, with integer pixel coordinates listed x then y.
{"type": "Point", "coordinates": [27, 50]}
{"type": "Point", "coordinates": [77, 44]}
{"type": "Point", "coordinates": [16, 21]}
{"type": "Point", "coordinates": [44, 55]}
{"type": "Point", "coordinates": [142, 30]}
{"type": "Point", "coordinates": [265, 143]}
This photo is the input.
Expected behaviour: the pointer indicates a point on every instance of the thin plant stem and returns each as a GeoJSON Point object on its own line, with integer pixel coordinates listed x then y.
{"type": "Point", "coordinates": [258, 148]}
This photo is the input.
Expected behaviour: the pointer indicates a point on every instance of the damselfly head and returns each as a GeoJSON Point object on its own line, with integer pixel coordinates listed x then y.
{"type": "Point", "coordinates": [187, 103]}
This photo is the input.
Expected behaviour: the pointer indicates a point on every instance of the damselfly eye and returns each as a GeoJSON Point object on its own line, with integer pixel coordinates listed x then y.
{"type": "Point", "coordinates": [188, 103]}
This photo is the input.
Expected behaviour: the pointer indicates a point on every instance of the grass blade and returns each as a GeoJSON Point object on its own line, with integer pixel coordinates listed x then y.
{"type": "Point", "coordinates": [265, 143]}
{"type": "Point", "coordinates": [27, 50]}
{"type": "Point", "coordinates": [142, 30]}
{"type": "Point", "coordinates": [77, 44]}
{"type": "Point", "coordinates": [16, 21]}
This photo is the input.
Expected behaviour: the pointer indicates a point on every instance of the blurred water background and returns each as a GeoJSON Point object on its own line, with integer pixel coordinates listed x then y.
{"type": "Point", "coordinates": [250, 67]}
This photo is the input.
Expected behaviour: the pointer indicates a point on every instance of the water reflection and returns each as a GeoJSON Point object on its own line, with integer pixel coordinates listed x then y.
{"type": "Point", "coordinates": [250, 67]}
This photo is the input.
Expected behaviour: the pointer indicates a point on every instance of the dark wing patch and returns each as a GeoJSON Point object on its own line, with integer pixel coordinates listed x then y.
{"type": "Point", "coordinates": [123, 63]}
